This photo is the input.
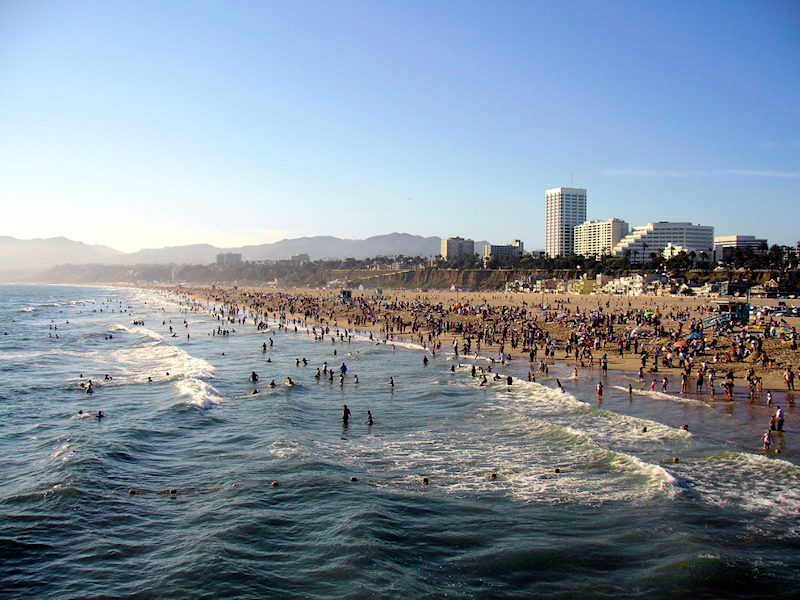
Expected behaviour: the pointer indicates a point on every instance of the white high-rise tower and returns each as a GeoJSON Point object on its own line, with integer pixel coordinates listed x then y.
{"type": "Point", "coordinates": [565, 209]}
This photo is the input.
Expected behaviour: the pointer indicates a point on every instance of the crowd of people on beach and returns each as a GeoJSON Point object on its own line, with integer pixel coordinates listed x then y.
{"type": "Point", "coordinates": [658, 336]}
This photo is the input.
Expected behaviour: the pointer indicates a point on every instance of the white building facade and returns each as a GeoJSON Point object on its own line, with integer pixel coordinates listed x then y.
{"type": "Point", "coordinates": [598, 238]}
{"type": "Point", "coordinates": [504, 251]}
{"type": "Point", "coordinates": [565, 209]}
{"type": "Point", "coordinates": [457, 246]}
{"type": "Point", "coordinates": [654, 238]}
{"type": "Point", "coordinates": [724, 244]}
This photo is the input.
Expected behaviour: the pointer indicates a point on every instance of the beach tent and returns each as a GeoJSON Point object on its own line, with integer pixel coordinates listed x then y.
{"type": "Point", "coordinates": [694, 336]}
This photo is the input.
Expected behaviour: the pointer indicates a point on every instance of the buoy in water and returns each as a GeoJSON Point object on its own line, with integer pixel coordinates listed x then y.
{"type": "Point", "coordinates": [556, 470]}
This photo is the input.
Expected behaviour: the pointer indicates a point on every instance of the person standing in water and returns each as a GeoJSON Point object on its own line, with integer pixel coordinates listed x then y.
{"type": "Point", "coordinates": [345, 414]}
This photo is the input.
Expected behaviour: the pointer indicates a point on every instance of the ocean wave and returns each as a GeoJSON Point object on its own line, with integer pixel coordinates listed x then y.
{"type": "Point", "coordinates": [766, 487]}
{"type": "Point", "coordinates": [201, 394]}
{"type": "Point", "coordinates": [661, 395]}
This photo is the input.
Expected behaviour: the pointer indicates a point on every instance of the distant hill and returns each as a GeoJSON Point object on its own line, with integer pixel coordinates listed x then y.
{"type": "Point", "coordinates": [43, 254]}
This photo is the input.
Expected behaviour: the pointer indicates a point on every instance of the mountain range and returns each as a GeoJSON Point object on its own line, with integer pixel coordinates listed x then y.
{"type": "Point", "coordinates": [45, 253]}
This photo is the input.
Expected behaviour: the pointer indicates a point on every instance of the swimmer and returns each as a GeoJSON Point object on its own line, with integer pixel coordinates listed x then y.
{"type": "Point", "coordinates": [483, 380]}
{"type": "Point", "coordinates": [253, 377]}
{"type": "Point", "coordinates": [391, 382]}
{"type": "Point", "coordinates": [424, 360]}
{"type": "Point", "coordinates": [272, 383]}
{"type": "Point", "coordinates": [355, 378]}
{"type": "Point", "coordinates": [685, 427]}
{"type": "Point", "coordinates": [369, 418]}
{"type": "Point", "coordinates": [644, 429]}
{"type": "Point", "coordinates": [509, 380]}
{"type": "Point", "coordinates": [630, 389]}
{"type": "Point", "coordinates": [575, 372]}
{"type": "Point", "coordinates": [100, 414]}
{"type": "Point", "coordinates": [559, 386]}
{"type": "Point", "coordinates": [254, 392]}
{"type": "Point", "coordinates": [289, 381]}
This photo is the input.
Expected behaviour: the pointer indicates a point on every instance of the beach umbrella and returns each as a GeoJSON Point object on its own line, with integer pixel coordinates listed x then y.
{"type": "Point", "coordinates": [680, 344]}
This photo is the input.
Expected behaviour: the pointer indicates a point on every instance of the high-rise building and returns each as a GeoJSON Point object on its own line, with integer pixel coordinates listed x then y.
{"type": "Point", "coordinates": [229, 258]}
{"type": "Point", "coordinates": [456, 246]}
{"type": "Point", "coordinates": [652, 238]}
{"type": "Point", "coordinates": [598, 238]}
{"type": "Point", "coordinates": [565, 209]}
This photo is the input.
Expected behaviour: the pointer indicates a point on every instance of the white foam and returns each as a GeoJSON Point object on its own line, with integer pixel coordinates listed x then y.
{"type": "Point", "coordinates": [201, 394]}
{"type": "Point", "coordinates": [768, 488]}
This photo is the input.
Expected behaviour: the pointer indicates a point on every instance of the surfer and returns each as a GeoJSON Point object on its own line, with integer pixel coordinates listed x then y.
{"type": "Point", "coordinates": [253, 377]}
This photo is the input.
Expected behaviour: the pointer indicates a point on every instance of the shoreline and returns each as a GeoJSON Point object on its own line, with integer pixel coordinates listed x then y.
{"type": "Point", "coordinates": [418, 317]}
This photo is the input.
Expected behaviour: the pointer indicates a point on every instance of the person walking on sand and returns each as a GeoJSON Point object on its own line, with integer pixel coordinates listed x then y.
{"type": "Point", "coordinates": [789, 377]}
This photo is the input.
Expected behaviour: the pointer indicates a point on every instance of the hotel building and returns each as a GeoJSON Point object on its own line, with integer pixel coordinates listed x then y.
{"type": "Point", "coordinates": [565, 209]}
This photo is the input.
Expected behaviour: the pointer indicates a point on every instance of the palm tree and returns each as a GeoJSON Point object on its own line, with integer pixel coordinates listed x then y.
{"type": "Point", "coordinates": [704, 258]}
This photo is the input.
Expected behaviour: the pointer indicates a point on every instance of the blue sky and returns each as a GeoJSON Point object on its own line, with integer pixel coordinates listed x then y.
{"type": "Point", "coordinates": [151, 124]}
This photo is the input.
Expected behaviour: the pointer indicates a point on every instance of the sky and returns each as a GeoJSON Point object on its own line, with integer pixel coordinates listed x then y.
{"type": "Point", "coordinates": [137, 124]}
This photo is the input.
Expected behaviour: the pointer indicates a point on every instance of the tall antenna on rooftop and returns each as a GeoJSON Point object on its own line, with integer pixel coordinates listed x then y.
{"type": "Point", "coordinates": [572, 180]}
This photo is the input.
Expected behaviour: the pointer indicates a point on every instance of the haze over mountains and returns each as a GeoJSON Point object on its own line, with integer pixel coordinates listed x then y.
{"type": "Point", "coordinates": [46, 253]}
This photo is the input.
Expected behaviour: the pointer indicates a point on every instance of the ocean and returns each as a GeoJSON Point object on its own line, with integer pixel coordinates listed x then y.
{"type": "Point", "coordinates": [191, 486]}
